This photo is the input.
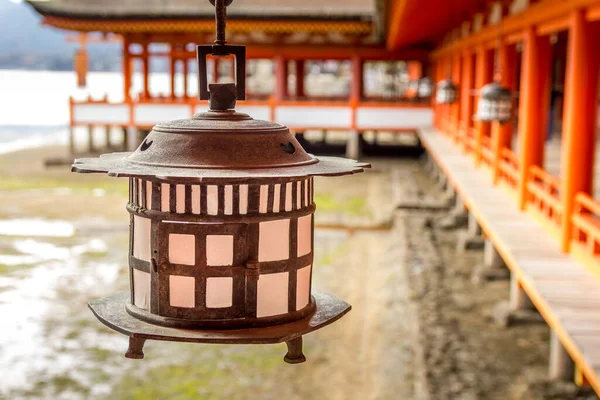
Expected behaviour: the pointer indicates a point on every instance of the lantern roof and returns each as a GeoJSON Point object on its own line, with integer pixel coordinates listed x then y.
{"type": "Point", "coordinates": [217, 145]}
{"type": "Point", "coordinates": [446, 84]}
{"type": "Point", "coordinates": [494, 90]}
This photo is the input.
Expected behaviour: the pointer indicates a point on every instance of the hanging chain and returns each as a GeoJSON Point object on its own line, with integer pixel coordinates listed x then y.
{"type": "Point", "coordinates": [220, 19]}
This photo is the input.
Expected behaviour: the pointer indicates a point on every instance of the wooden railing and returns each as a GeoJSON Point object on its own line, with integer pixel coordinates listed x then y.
{"type": "Point", "coordinates": [298, 115]}
{"type": "Point", "coordinates": [487, 155]}
{"type": "Point", "coordinates": [543, 195]}
{"type": "Point", "coordinates": [508, 167]}
{"type": "Point", "coordinates": [469, 140]}
{"type": "Point", "coordinates": [586, 226]}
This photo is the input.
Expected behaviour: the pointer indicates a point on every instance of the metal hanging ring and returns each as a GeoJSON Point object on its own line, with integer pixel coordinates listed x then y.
{"type": "Point", "coordinates": [227, 2]}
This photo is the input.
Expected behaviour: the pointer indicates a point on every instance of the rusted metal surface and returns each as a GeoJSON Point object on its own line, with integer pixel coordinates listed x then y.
{"type": "Point", "coordinates": [111, 311]}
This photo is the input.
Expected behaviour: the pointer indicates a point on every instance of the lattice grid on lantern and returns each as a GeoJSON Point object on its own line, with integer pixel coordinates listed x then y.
{"type": "Point", "coordinates": [202, 261]}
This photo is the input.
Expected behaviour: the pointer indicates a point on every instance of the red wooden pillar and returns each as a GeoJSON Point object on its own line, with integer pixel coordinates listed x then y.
{"type": "Point", "coordinates": [579, 118]}
{"type": "Point", "coordinates": [484, 67]}
{"type": "Point", "coordinates": [466, 99]}
{"type": "Point", "coordinates": [281, 76]}
{"type": "Point", "coordinates": [502, 133]}
{"type": "Point", "coordinates": [533, 106]}
{"type": "Point", "coordinates": [456, 107]}
{"type": "Point", "coordinates": [126, 70]}
{"type": "Point", "coordinates": [356, 89]}
{"type": "Point", "coordinates": [299, 78]}
{"type": "Point", "coordinates": [185, 77]}
{"type": "Point", "coordinates": [146, 71]}
{"type": "Point", "coordinates": [172, 70]}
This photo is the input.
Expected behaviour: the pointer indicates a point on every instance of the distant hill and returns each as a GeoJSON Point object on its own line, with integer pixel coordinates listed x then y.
{"type": "Point", "coordinates": [26, 44]}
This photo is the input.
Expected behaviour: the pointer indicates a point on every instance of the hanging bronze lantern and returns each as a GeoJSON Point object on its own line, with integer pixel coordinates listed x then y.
{"type": "Point", "coordinates": [221, 226]}
{"type": "Point", "coordinates": [494, 104]}
{"type": "Point", "coordinates": [425, 87]}
{"type": "Point", "coordinates": [446, 92]}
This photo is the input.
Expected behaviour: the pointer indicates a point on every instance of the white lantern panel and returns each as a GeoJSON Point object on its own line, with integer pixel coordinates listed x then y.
{"type": "Point", "coordinates": [272, 296]}
{"type": "Point", "coordinates": [274, 240]}
{"type": "Point", "coordinates": [165, 197]}
{"type": "Point", "coordinates": [264, 198]}
{"type": "Point", "coordinates": [180, 202]}
{"type": "Point", "coordinates": [219, 292]}
{"type": "Point", "coordinates": [141, 238]}
{"type": "Point", "coordinates": [243, 199]}
{"type": "Point", "coordinates": [219, 250]}
{"type": "Point", "coordinates": [212, 199]}
{"type": "Point", "coordinates": [141, 289]}
{"type": "Point", "coordinates": [304, 235]}
{"type": "Point", "coordinates": [288, 196]}
{"type": "Point", "coordinates": [277, 197]}
{"type": "Point", "coordinates": [148, 195]}
{"type": "Point", "coordinates": [195, 199]}
{"type": "Point", "coordinates": [182, 291]}
{"type": "Point", "coordinates": [182, 249]}
{"type": "Point", "coordinates": [302, 287]}
{"type": "Point", "coordinates": [228, 206]}
{"type": "Point", "coordinates": [298, 195]}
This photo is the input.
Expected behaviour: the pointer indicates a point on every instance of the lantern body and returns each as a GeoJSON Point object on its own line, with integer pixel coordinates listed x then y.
{"type": "Point", "coordinates": [446, 92]}
{"type": "Point", "coordinates": [228, 254]}
{"type": "Point", "coordinates": [494, 104]}
{"type": "Point", "coordinates": [221, 234]}
{"type": "Point", "coordinates": [425, 88]}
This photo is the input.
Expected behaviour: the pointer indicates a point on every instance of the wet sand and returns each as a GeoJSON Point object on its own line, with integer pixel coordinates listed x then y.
{"type": "Point", "coordinates": [419, 328]}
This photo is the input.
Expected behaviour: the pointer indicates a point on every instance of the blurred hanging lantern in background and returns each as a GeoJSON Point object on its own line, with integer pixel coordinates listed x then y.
{"type": "Point", "coordinates": [494, 104]}
{"type": "Point", "coordinates": [446, 92]}
{"type": "Point", "coordinates": [425, 87]}
{"type": "Point", "coordinates": [495, 101]}
{"type": "Point", "coordinates": [221, 226]}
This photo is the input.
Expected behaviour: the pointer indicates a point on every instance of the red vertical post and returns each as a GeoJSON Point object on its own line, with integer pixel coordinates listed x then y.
{"type": "Point", "coordinates": [172, 70]}
{"type": "Point", "coordinates": [299, 78]}
{"type": "Point", "coordinates": [502, 133]}
{"type": "Point", "coordinates": [465, 87]}
{"type": "Point", "coordinates": [483, 75]}
{"type": "Point", "coordinates": [126, 70]}
{"type": "Point", "coordinates": [456, 107]}
{"type": "Point", "coordinates": [579, 118]}
{"type": "Point", "coordinates": [281, 76]}
{"type": "Point", "coordinates": [533, 106]}
{"type": "Point", "coordinates": [146, 71]}
{"type": "Point", "coordinates": [356, 89]}
{"type": "Point", "coordinates": [185, 77]}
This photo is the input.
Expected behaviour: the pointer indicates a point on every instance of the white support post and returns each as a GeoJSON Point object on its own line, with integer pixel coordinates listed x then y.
{"type": "Point", "coordinates": [561, 366]}
{"type": "Point", "coordinates": [518, 298]}
{"type": "Point", "coordinates": [473, 228]}
{"type": "Point", "coordinates": [491, 257]}
{"type": "Point", "coordinates": [353, 145]}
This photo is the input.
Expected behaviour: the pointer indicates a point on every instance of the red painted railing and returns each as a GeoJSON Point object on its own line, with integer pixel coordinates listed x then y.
{"type": "Point", "coordinates": [586, 225]}
{"type": "Point", "coordinates": [508, 167]}
{"type": "Point", "coordinates": [543, 192]}
{"type": "Point", "coordinates": [487, 155]}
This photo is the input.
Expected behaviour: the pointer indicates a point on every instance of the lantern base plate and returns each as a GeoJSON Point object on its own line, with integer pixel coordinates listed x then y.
{"type": "Point", "coordinates": [111, 312]}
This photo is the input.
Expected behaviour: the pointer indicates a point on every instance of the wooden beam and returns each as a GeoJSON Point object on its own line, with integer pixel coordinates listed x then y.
{"type": "Point", "coordinates": [579, 118]}
{"type": "Point", "coordinates": [538, 13]}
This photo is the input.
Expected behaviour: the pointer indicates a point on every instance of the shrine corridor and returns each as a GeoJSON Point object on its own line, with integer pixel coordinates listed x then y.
{"type": "Point", "coordinates": [420, 326]}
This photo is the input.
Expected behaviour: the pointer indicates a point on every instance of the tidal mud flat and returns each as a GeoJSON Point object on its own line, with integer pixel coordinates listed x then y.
{"type": "Point", "coordinates": [419, 327]}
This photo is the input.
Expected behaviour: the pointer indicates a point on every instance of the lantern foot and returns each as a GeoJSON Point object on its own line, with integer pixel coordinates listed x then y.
{"type": "Point", "coordinates": [294, 354]}
{"type": "Point", "coordinates": [136, 345]}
